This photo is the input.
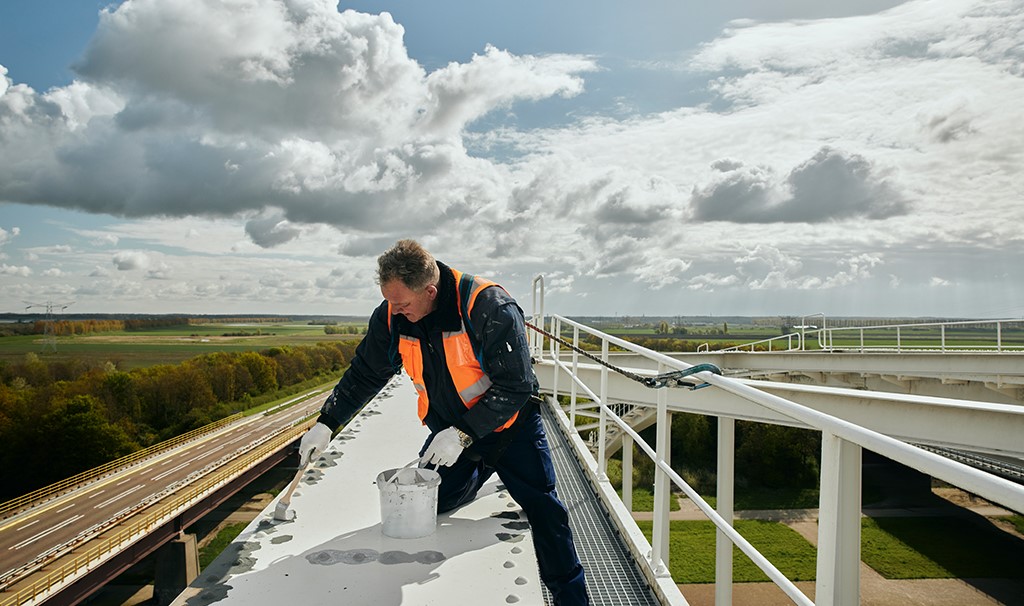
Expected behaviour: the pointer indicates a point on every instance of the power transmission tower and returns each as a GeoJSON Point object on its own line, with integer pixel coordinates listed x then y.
{"type": "Point", "coordinates": [49, 334]}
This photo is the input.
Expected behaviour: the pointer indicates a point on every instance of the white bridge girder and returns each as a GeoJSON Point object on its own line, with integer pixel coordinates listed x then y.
{"type": "Point", "coordinates": [987, 377]}
{"type": "Point", "coordinates": [970, 425]}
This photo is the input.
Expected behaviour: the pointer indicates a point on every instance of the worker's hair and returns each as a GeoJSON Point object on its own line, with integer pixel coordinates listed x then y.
{"type": "Point", "coordinates": [409, 262]}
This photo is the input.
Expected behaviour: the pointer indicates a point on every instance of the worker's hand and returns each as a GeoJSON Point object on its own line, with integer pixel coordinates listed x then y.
{"type": "Point", "coordinates": [313, 443]}
{"type": "Point", "coordinates": [444, 449]}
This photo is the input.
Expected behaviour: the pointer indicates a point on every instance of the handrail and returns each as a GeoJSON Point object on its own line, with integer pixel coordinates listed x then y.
{"type": "Point", "coordinates": [826, 338]}
{"type": "Point", "coordinates": [988, 486]}
{"type": "Point", "coordinates": [47, 492]}
{"type": "Point", "coordinates": [751, 346]}
{"type": "Point", "coordinates": [153, 520]}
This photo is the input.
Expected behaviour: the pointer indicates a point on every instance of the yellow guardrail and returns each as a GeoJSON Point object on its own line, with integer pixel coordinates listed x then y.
{"type": "Point", "coordinates": [47, 492]}
{"type": "Point", "coordinates": [155, 519]}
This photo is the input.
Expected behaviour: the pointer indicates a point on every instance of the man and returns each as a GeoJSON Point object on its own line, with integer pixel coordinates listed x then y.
{"type": "Point", "coordinates": [462, 339]}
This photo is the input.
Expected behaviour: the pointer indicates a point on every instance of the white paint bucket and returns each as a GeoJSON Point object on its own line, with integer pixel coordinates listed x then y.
{"type": "Point", "coordinates": [408, 503]}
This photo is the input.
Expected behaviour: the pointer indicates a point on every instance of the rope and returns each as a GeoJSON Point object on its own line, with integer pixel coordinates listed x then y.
{"type": "Point", "coordinates": [669, 379]}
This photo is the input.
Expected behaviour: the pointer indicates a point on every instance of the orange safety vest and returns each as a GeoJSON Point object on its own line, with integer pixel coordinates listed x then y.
{"type": "Point", "coordinates": [463, 361]}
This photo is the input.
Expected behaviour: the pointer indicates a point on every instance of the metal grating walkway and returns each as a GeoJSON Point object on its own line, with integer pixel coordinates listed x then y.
{"type": "Point", "coordinates": [612, 575]}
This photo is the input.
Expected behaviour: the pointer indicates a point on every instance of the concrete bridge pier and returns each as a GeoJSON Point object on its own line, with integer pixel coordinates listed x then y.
{"type": "Point", "coordinates": [177, 565]}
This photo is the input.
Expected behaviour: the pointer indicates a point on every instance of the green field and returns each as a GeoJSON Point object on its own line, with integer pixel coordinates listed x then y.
{"type": "Point", "coordinates": [136, 349]}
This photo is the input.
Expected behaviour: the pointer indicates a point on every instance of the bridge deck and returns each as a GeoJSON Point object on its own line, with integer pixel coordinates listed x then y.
{"type": "Point", "coordinates": [334, 551]}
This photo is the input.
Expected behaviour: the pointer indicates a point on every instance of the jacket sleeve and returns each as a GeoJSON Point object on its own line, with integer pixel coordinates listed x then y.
{"type": "Point", "coordinates": [370, 370]}
{"type": "Point", "coordinates": [500, 330]}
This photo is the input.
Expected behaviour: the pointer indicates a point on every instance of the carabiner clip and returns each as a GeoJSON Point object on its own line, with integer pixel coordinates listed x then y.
{"type": "Point", "coordinates": [674, 378]}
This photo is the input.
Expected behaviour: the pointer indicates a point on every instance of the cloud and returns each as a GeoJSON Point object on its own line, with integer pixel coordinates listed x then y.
{"type": "Point", "coordinates": [709, 282]}
{"type": "Point", "coordinates": [162, 272]}
{"type": "Point", "coordinates": [128, 260]}
{"type": "Point", "coordinates": [12, 270]}
{"type": "Point", "coordinates": [660, 272]}
{"type": "Point", "coordinates": [819, 160]}
{"type": "Point", "coordinates": [197, 88]}
{"type": "Point", "coordinates": [270, 230]}
{"type": "Point", "coordinates": [830, 186]}
{"type": "Point", "coordinates": [7, 236]}
{"type": "Point", "coordinates": [106, 240]}
{"type": "Point", "coordinates": [939, 282]}
{"type": "Point", "coordinates": [53, 272]}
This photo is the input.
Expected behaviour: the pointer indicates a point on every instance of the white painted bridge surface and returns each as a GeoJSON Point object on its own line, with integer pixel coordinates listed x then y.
{"type": "Point", "coordinates": [333, 552]}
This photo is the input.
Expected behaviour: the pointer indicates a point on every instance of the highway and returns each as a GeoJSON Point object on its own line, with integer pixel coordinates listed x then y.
{"type": "Point", "coordinates": [38, 533]}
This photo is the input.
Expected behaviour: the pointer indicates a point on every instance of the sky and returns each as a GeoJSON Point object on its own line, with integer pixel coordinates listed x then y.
{"type": "Point", "coordinates": [664, 157]}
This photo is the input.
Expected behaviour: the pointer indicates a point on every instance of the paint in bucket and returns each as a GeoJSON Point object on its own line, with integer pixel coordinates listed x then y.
{"type": "Point", "coordinates": [408, 503]}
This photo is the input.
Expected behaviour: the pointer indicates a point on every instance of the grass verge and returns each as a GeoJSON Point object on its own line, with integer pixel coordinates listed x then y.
{"type": "Point", "coordinates": [209, 552]}
{"type": "Point", "coordinates": [939, 548]}
{"type": "Point", "coordinates": [692, 551]}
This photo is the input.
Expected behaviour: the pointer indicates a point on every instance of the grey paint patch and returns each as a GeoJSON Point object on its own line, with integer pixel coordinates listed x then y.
{"type": "Point", "coordinates": [509, 537]}
{"type": "Point", "coordinates": [268, 527]}
{"type": "Point", "coordinates": [209, 596]}
{"type": "Point", "coordinates": [281, 539]}
{"type": "Point", "coordinates": [330, 557]}
{"type": "Point", "coordinates": [420, 557]}
{"type": "Point", "coordinates": [312, 477]}
{"type": "Point", "coordinates": [517, 525]}
{"type": "Point", "coordinates": [214, 585]}
{"type": "Point", "coordinates": [245, 560]}
{"type": "Point", "coordinates": [508, 515]}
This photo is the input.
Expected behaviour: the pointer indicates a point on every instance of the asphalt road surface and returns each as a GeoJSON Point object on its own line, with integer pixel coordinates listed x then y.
{"type": "Point", "coordinates": [30, 534]}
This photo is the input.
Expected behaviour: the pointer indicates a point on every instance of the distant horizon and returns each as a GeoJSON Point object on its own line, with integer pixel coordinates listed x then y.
{"type": "Point", "coordinates": [357, 317]}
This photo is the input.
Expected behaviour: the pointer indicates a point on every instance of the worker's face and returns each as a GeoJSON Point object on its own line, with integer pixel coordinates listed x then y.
{"type": "Point", "coordinates": [412, 304]}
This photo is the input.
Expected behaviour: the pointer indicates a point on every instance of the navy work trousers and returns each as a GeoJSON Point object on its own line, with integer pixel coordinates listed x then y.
{"type": "Point", "coordinates": [526, 470]}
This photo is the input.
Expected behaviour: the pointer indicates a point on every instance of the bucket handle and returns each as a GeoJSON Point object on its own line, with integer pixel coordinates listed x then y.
{"type": "Point", "coordinates": [406, 466]}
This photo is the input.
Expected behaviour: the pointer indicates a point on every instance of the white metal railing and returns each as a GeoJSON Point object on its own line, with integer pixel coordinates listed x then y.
{"type": "Point", "coordinates": [838, 550]}
{"type": "Point", "coordinates": [919, 336]}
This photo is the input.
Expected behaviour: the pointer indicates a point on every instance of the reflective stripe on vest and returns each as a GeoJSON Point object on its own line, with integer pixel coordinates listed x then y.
{"type": "Point", "coordinates": [470, 380]}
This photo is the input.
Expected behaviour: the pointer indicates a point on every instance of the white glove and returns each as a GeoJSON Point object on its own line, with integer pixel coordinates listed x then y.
{"type": "Point", "coordinates": [313, 443]}
{"type": "Point", "coordinates": [444, 449]}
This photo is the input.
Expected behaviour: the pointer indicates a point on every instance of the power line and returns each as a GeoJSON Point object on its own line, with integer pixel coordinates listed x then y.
{"type": "Point", "coordinates": [49, 321]}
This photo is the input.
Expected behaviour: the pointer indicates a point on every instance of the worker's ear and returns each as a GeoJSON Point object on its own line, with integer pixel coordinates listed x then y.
{"type": "Point", "coordinates": [431, 291]}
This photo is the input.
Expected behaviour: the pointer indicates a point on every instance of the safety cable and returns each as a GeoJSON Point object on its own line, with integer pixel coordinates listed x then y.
{"type": "Point", "coordinates": [668, 379]}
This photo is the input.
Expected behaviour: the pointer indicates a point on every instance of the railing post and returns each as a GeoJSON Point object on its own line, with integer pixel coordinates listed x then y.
{"type": "Point", "coordinates": [627, 471]}
{"type": "Point", "coordinates": [942, 329]}
{"type": "Point", "coordinates": [838, 570]}
{"type": "Point", "coordinates": [556, 328]}
{"type": "Point", "coordinates": [602, 462]}
{"type": "Point", "coordinates": [725, 506]}
{"type": "Point", "coordinates": [537, 346]}
{"type": "Point", "coordinates": [899, 342]}
{"type": "Point", "coordinates": [575, 372]}
{"type": "Point", "coordinates": [999, 336]}
{"type": "Point", "coordinates": [663, 449]}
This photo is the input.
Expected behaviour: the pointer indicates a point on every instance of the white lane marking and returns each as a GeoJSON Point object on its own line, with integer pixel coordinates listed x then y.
{"type": "Point", "coordinates": [97, 493]}
{"type": "Point", "coordinates": [35, 521]}
{"type": "Point", "coordinates": [169, 471]}
{"type": "Point", "coordinates": [124, 481]}
{"type": "Point", "coordinates": [65, 508]}
{"type": "Point", "coordinates": [46, 532]}
{"type": "Point", "coordinates": [112, 499]}
{"type": "Point", "coordinates": [209, 452]}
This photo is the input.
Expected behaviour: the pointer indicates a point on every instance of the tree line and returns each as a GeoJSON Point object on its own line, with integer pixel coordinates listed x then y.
{"type": "Point", "coordinates": [63, 417]}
